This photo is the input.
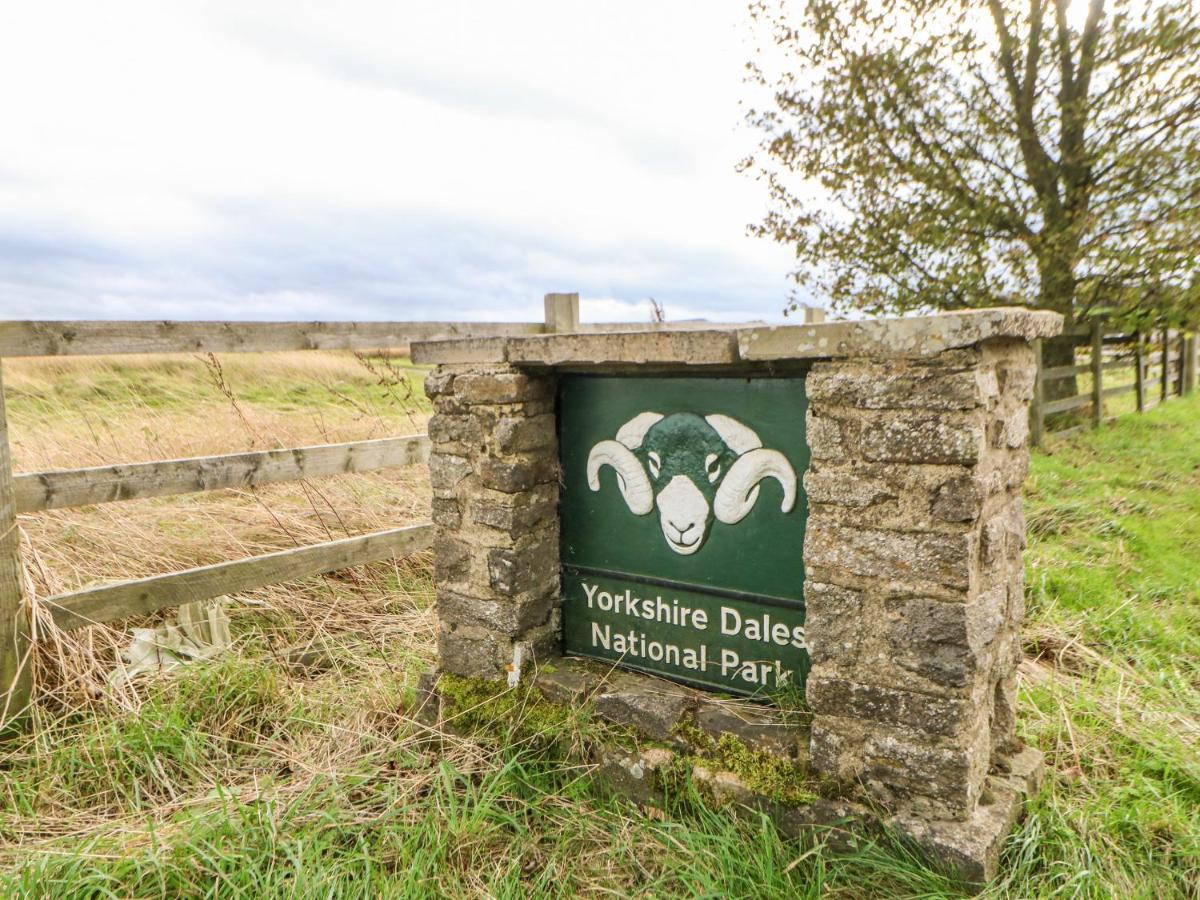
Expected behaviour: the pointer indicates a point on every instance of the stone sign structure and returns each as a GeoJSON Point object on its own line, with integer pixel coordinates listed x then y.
{"type": "Point", "coordinates": [826, 518]}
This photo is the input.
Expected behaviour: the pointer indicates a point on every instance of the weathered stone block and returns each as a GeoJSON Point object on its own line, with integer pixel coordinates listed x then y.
{"type": "Point", "coordinates": [445, 472]}
{"type": "Point", "coordinates": [922, 439]}
{"type": "Point", "coordinates": [1011, 430]}
{"type": "Point", "coordinates": [940, 558]}
{"type": "Point", "coordinates": [929, 637]}
{"type": "Point", "coordinates": [501, 387]}
{"type": "Point", "coordinates": [958, 499]}
{"type": "Point", "coordinates": [531, 567]}
{"type": "Point", "coordinates": [653, 707]}
{"type": "Point", "coordinates": [833, 622]}
{"type": "Point", "coordinates": [565, 684]}
{"type": "Point", "coordinates": [845, 487]}
{"type": "Point", "coordinates": [1004, 714]}
{"type": "Point", "coordinates": [439, 382]}
{"type": "Point", "coordinates": [446, 513]}
{"type": "Point", "coordinates": [824, 435]}
{"type": "Point", "coordinates": [518, 435]}
{"type": "Point", "coordinates": [755, 729]}
{"type": "Point", "coordinates": [519, 473]}
{"type": "Point", "coordinates": [517, 513]}
{"type": "Point", "coordinates": [509, 617]}
{"type": "Point", "coordinates": [446, 428]}
{"type": "Point", "coordinates": [1017, 380]}
{"type": "Point", "coordinates": [943, 780]}
{"type": "Point", "coordinates": [452, 559]}
{"type": "Point", "coordinates": [634, 775]}
{"type": "Point", "coordinates": [929, 713]}
{"type": "Point", "coordinates": [835, 747]}
{"type": "Point", "coordinates": [473, 651]}
{"type": "Point", "coordinates": [895, 387]}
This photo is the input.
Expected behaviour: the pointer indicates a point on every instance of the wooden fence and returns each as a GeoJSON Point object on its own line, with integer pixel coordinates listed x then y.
{"type": "Point", "coordinates": [32, 492]}
{"type": "Point", "coordinates": [1154, 367]}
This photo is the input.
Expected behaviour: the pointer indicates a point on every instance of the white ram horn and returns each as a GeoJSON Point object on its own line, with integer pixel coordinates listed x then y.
{"type": "Point", "coordinates": [737, 493]}
{"type": "Point", "coordinates": [633, 432]}
{"type": "Point", "coordinates": [631, 477]}
{"type": "Point", "coordinates": [737, 437]}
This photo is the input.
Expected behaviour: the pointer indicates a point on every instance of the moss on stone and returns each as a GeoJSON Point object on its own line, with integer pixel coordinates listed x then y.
{"type": "Point", "coordinates": [774, 777]}
{"type": "Point", "coordinates": [491, 710]}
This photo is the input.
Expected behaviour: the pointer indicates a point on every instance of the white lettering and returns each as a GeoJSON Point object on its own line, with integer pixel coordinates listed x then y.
{"type": "Point", "coordinates": [728, 615]}
{"type": "Point", "coordinates": [601, 635]}
{"type": "Point", "coordinates": [590, 590]}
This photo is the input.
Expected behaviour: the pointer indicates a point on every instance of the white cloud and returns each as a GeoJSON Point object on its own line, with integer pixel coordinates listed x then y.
{"type": "Point", "coordinates": [376, 159]}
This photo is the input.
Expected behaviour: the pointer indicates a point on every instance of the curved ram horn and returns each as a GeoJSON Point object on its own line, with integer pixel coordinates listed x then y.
{"type": "Point", "coordinates": [737, 437]}
{"type": "Point", "coordinates": [738, 491]}
{"type": "Point", "coordinates": [633, 432]}
{"type": "Point", "coordinates": [631, 477]}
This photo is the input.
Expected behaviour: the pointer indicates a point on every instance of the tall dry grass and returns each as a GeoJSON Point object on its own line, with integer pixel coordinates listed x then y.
{"type": "Point", "coordinates": [68, 412]}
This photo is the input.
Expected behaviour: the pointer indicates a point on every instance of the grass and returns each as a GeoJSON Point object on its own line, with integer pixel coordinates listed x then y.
{"type": "Point", "coordinates": [250, 776]}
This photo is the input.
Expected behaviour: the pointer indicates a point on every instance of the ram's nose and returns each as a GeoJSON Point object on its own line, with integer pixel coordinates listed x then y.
{"type": "Point", "coordinates": [684, 512]}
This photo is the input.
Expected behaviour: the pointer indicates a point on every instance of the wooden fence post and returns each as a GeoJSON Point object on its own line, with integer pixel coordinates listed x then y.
{"type": "Point", "coordinates": [1140, 372]}
{"type": "Point", "coordinates": [1097, 373]}
{"type": "Point", "coordinates": [1191, 363]}
{"type": "Point", "coordinates": [562, 313]}
{"type": "Point", "coordinates": [1181, 376]}
{"type": "Point", "coordinates": [15, 663]}
{"type": "Point", "coordinates": [1037, 419]}
{"type": "Point", "coordinates": [1165, 393]}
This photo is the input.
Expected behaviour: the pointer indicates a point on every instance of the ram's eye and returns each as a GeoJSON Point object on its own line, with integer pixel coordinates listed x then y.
{"type": "Point", "coordinates": [655, 463]}
{"type": "Point", "coordinates": [712, 463]}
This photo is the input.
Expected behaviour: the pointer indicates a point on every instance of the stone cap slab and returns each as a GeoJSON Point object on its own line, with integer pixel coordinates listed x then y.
{"type": "Point", "coordinates": [910, 336]}
{"type": "Point", "coordinates": [723, 346]}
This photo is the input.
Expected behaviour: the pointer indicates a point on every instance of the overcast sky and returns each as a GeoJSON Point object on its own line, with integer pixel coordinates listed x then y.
{"type": "Point", "coordinates": [378, 160]}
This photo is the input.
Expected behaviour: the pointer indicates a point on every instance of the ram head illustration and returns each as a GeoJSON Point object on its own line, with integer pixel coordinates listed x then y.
{"type": "Point", "coordinates": [692, 468]}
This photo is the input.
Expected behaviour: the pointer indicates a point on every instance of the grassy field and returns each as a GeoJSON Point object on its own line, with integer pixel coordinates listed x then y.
{"type": "Point", "coordinates": [252, 777]}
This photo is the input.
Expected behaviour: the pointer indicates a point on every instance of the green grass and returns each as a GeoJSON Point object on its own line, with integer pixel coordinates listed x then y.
{"type": "Point", "coordinates": [246, 779]}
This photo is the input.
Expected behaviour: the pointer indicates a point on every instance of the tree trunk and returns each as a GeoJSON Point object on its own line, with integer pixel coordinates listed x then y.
{"type": "Point", "coordinates": [1060, 351]}
{"type": "Point", "coordinates": [1057, 292]}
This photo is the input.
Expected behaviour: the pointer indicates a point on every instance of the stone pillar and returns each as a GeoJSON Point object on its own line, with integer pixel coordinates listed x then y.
{"type": "Point", "coordinates": [494, 474]}
{"type": "Point", "coordinates": [914, 578]}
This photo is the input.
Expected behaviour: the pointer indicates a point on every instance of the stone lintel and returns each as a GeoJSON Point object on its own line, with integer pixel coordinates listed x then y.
{"type": "Point", "coordinates": [910, 336]}
{"type": "Point", "coordinates": [916, 336]}
{"type": "Point", "coordinates": [457, 351]}
{"type": "Point", "coordinates": [710, 347]}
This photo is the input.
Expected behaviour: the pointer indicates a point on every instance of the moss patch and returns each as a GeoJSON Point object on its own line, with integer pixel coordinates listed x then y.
{"type": "Point", "coordinates": [776, 778]}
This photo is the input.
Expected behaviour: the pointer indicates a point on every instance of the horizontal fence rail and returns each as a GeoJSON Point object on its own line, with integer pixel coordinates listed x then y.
{"type": "Point", "coordinates": [109, 602]}
{"type": "Point", "coordinates": [35, 491]}
{"type": "Point", "coordinates": [113, 338]}
{"type": "Point", "coordinates": [103, 338]}
{"type": "Point", "coordinates": [1165, 364]}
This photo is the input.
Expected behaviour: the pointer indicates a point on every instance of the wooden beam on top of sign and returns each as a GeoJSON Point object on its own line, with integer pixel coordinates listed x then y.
{"type": "Point", "coordinates": [142, 596]}
{"type": "Point", "coordinates": [66, 488]}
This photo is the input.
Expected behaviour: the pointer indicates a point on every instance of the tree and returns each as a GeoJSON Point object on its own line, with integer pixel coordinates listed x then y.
{"type": "Point", "coordinates": [945, 154]}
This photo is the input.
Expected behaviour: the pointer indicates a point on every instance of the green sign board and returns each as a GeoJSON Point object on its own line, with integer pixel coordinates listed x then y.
{"type": "Point", "coordinates": [683, 515]}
